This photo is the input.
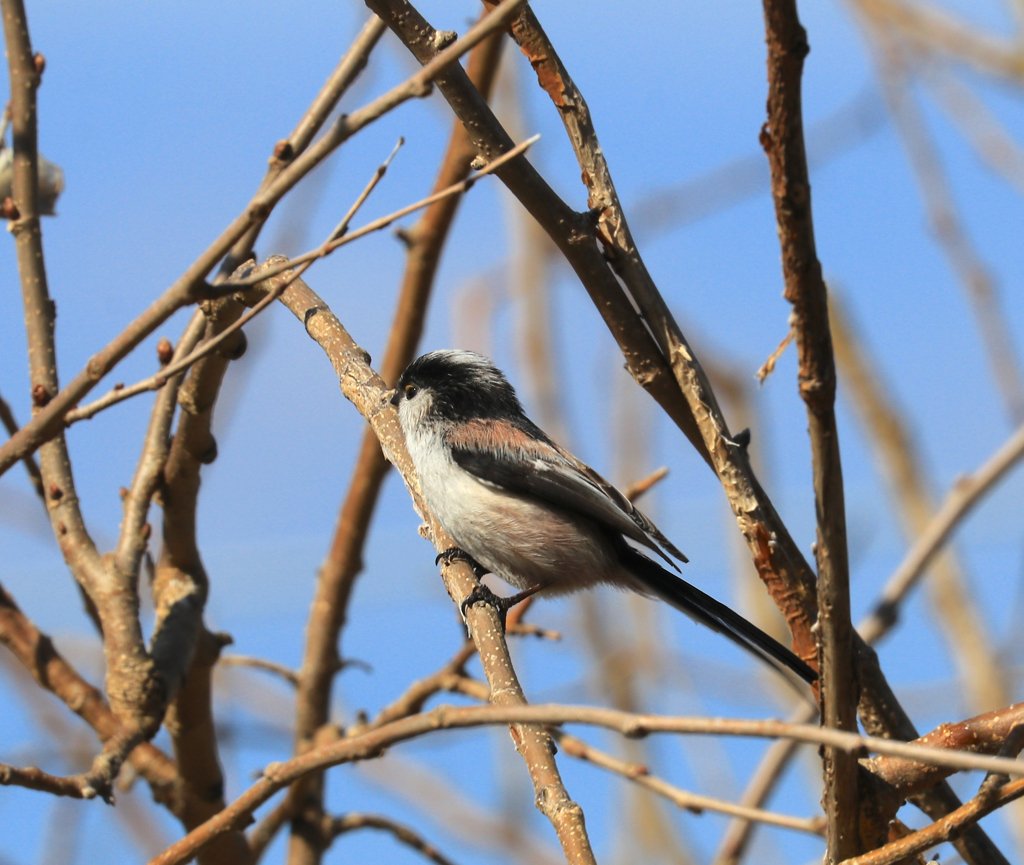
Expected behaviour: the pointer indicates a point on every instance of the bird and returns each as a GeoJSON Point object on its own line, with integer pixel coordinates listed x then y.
{"type": "Point", "coordinates": [525, 509]}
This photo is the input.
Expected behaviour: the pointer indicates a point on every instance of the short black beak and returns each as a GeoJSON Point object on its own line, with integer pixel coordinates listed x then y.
{"type": "Point", "coordinates": [395, 398]}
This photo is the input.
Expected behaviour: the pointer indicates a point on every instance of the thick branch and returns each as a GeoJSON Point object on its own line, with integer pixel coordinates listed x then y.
{"type": "Point", "coordinates": [52, 672]}
{"type": "Point", "coordinates": [990, 797]}
{"type": "Point", "coordinates": [783, 140]}
{"type": "Point", "coordinates": [344, 561]}
{"type": "Point", "coordinates": [369, 394]}
{"type": "Point", "coordinates": [983, 734]}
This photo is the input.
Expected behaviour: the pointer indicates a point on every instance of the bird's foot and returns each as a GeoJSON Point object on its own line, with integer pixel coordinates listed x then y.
{"type": "Point", "coordinates": [482, 594]}
{"type": "Point", "coordinates": [457, 554]}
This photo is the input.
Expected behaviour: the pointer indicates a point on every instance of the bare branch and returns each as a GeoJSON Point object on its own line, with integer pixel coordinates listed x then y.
{"type": "Point", "coordinates": [638, 488]}
{"type": "Point", "coordinates": [983, 734]}
{"type": "Point", "coordinates": [75, 786]}
{"type": "Point", "coordinates": [286, 673]}
{"type": "Point", "coordinates": [31, 466]}
{"type": "Point", "coordinates": [681, 389]}
{"type": "Point", "coordinates": [285, 151]}
{"type": "Point", "coordinates": [694, 802]}
{"type": "Point", "coordinates": [964, 495]}
{"type": "Point", "coordinates": [35, 651]}
{"type": "Point", "coordinates": [191, 285]}
{"type": "Point", "coordinates": [344, 560]}
{"type": "Point", "coordinates": [368, 393]}
{"type": "Point", "coordinates": [783, 140]}
{"type": "Point", "coordinates": [995, 791]}
{"type": "Point", "coordinates": [368, 745]}
{"type": "Point", "coordinates": [400, 832]}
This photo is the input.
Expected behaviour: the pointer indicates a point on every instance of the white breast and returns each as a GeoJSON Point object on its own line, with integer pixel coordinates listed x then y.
{"type": "Point", "coordinates": [521, 539]}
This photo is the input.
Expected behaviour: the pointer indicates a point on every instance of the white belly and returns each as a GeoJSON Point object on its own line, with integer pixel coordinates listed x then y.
{"type": "Point", "coordinates": [519, 538]}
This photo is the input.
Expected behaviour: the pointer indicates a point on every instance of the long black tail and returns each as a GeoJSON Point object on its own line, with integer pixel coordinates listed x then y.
{"type": "Point", "coordinates": [706, 610]}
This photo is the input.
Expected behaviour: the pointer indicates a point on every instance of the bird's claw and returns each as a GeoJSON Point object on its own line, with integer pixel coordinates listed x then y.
{"type": "Point", "coordinates": [482, 594]}
{"type": "Point", "coordinates": [456, 554]}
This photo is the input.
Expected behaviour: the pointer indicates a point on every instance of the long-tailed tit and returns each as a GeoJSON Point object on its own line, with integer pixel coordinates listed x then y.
{"type": "Point", "coordinates": [527, 510]}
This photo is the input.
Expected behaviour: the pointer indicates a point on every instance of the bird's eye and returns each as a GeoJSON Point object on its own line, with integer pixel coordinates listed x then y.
{"type": "Point", "coordinates": [410, 391]}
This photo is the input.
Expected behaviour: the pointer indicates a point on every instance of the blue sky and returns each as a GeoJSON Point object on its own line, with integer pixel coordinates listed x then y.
{"type": "Point", "coordinates": [162, 117]}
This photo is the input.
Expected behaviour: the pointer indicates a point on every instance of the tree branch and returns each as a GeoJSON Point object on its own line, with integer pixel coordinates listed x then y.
{"type": "Point", "coordinates": [52, 672]}
{"type": "Point", "coordinates": [369, 744]}
{"type": "Point", "coordinates": [190, 286]}
{"type": "Point", "coordinates": [783, 141]}
{"type": "Point", "coordinates": [400, 832]}
{"type": "Point", "coordinates": [344, 560]}
{"type": "Point", "coordinates": [31, 466]}
{"type": "Point", "coordinates": [369, 394]}
{"type": "Point", "coordinates": [995, 792]}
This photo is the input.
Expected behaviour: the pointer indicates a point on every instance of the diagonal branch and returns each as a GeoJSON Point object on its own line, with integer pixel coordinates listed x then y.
{"type": "Point", "coordinates": [995, 791]}
{"type": "Point", "coordinates": [369, 394]}
{"type": "Point", "coordinates": [287, 149]}
{"type": "Point", "coordinates": [344, 560]}
{"type": "Point", "coordinates": [191, 286]}
{"type": "Point", "coordinates": [960, 500]}
{"type": "Point", "coordinates": [31, 466]}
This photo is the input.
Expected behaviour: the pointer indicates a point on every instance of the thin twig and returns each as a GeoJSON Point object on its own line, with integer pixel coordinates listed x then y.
{"type": "Point", "coordinates": [399, 831]}
{"type": "Point", "coordinates": [134, 539]}
{"type": "Point", "coordinates": [11, 425]}
{"type": "Point", "coordinates": [286, 673]}
{"type": "Point", "coordinates": [75, 786]}
{"type": "Point", "coordinates": [304, 261]}
{"type": "Point", "coordinates": [330, 245]}
{"type": "Point", "coordinates": [636, 489]}
{"type": "Point", "coordinates": [694, 802]}
{"type": "Point", "coordinates": [964, 495]}
{"type": "Point", "coordinates": [190, 286]}
{"type": "Point", "coordinates": [768, 367]}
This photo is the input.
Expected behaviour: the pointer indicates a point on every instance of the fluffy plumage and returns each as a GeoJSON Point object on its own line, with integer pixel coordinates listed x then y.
{"type": "Point", "coordinates": [528, 510]}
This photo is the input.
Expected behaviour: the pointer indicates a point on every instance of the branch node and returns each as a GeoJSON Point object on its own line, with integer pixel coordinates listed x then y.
{"type": "Point", "coordinates": [40, 395]}
{"type": "Point", "coordinates": [164, 351]}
